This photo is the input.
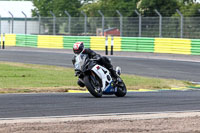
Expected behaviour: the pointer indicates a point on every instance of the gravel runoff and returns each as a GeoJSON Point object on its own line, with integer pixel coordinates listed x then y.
{"type": "Point", "coordinates": [169, 122]}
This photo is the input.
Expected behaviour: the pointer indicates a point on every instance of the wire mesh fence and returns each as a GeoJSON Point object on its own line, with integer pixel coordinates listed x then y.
{"type": "Point", "coordinates": [168, 27]}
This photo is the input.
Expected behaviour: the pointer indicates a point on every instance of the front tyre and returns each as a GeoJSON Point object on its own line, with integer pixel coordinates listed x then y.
{"type": "Point", "coordinates": [92, 87]}
{"type": "Point", "coordinates": [121, 89]}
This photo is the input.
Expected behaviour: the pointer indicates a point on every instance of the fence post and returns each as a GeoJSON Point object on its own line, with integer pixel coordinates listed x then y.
{"type": "Point", "coordinates": [25, 22]}
{"type": "Point", "coordinates": [181, 35]}
{"type": "Point", "coordinates": [39, 21]}
{"type": "Point", "coordinates": [121, 22]}
{"type": "Point", "coordinates": [160, 22]}
{"type": "Point", "coordinates": [106, 46]}
{"type": "Point", "coordinates": [140, 22]}
{"type": "Point", "coordinates": [85, 23]}
{"type": "Point", "coordinates": [0, 24]}
{"type": "Point", "coordinates": [1, 34]}
{"type": "Point", "coordinates": [112, 45]}
{"type": "Point", "coordinates": [12, 21]}
{"type": "Point", "coordinates": [3, 39]}
{"type": "Point", "coordinates": [39, 24]}
{"type": "Point", "coordinates": [99, 11]}
{"type": "Point", "coordinates": [54, 22]}
{"type": "Point", "coordinates": [69, 21]}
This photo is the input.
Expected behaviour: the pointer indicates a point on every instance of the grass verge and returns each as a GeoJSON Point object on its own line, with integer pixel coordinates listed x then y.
{"type": "Point", "coordinates": [20, 78]}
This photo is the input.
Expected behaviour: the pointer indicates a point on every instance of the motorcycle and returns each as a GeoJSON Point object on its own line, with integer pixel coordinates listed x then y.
{"type": "Point", "coordinates": [97, 78]}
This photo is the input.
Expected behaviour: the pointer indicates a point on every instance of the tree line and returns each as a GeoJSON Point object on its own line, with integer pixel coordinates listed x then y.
{"type": "Point", "coordinates": [188, 8]}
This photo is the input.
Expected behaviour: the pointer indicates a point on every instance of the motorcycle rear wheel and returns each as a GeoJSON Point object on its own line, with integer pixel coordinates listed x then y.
{"type": "Point", "coordinates": [92, 88]}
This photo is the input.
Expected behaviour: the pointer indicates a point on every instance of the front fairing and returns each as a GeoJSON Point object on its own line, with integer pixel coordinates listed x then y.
{"type": "Point", "coordinates": [83, 63]}
{"type": "Point", "coordinates": [79, 61]}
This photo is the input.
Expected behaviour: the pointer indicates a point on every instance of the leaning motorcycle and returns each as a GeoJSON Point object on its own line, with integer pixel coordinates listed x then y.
{"type": "Point", "coordinates": [97, 78]}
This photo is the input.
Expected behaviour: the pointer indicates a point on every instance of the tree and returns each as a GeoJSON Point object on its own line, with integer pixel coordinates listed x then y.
{"type": "Point", "coordinates": [190, 10]}
{"type": "Point", "coordinates": [187, 1]}
{"type": "Point", "coordinates": [165, 7]}
{"type": "Point", "coordinates": [191, 20]}
{"type": "Point", "coordinates": [43, 7]}
{"type": "Point", "coordinates": [109, 7]}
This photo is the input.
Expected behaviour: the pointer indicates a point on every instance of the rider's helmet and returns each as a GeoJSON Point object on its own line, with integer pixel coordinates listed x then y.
{"type": "Point", "coordinates": [78, 47]}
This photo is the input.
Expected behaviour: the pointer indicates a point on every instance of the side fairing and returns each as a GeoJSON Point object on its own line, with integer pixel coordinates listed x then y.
{"type": "Point", "coordinates": [104, 75]}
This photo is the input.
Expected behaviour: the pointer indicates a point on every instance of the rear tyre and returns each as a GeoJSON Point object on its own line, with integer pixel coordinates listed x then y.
{"type": "Point", "coordinates": [121, 89]}
{"type": "Point", "coordinates": [90, 84]}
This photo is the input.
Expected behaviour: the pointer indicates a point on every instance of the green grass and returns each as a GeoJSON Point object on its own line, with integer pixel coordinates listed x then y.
{"type": "Point", "coordinates": [140, 82]}
{"type": "Point", "coordinates": [19, 78]}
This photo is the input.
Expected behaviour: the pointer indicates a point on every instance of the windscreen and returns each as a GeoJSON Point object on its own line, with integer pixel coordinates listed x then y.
{"type": "Point", "coordinates": [80, 60]}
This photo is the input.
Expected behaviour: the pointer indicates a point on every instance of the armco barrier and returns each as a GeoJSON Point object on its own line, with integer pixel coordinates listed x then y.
{"type": "Point", "coordinates": [10, 39]}
{"type": "Point", "coordinates": [68, 41]}
{"type": "Point", "coordinates": [137, 44]}
{"type": "Point", "coordinates": [45, 41]}
{"type": "Point", "coordinates": [26, 40]}
{"type": "Point", "coordinates": [146, 44]}
{"type": "Point", "coordinates": [98, 43]}
{"type": "Point", "coordinates": [195, 50]}
{"type": "Point", "coordinates": [172, 46]}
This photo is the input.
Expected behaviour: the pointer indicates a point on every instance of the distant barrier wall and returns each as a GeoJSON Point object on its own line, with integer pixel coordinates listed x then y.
{"type": "Point", "coordinates": [136, 44]}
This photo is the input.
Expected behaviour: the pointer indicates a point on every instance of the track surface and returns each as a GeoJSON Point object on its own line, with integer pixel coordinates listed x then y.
{"type": "Point", "coordinates": [59, 104]}
{"type": "Point", "coordinates": [183, 70]}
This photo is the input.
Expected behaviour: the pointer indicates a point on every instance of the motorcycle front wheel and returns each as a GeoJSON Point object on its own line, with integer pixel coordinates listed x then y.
{"type": "Point", "coordinates": [92, 85]}
{"type": "Point", "coordinates": [121, 89]}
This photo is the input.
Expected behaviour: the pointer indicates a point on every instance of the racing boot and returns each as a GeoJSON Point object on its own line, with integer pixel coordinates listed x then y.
{"type": "Point", "coordinates": [116, 78]}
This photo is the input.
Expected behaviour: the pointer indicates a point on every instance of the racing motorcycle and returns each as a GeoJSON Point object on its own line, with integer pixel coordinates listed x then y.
{"type": "Point", "coordinates": [97, 78]}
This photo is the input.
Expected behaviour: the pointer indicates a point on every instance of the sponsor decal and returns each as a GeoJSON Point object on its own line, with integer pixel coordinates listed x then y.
{"type": "Point", "coordinates": [98, 67]}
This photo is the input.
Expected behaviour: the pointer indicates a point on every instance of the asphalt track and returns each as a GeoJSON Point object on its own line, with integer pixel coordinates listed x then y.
{"type": "Point", "coordinates": [66, 104]}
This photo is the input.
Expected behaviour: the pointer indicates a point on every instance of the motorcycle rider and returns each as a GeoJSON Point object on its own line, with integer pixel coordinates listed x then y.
{"type": "Point", "coordinates": [102, 60]}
